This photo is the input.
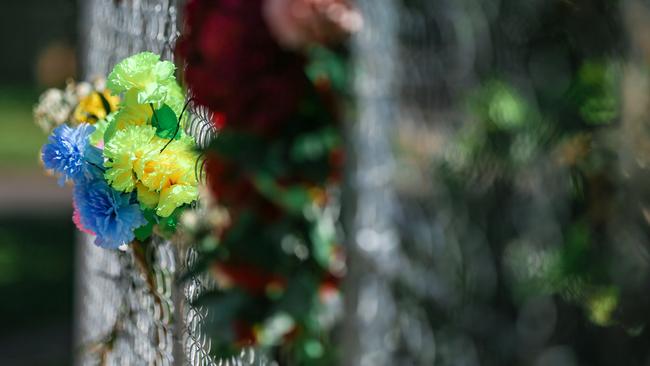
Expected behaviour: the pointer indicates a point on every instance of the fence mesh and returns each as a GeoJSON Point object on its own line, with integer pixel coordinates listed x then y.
{"type": "Point", "coordinates": [129, 305]}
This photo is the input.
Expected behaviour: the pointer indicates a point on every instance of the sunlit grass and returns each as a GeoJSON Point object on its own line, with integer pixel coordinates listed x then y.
{"type": "Point", "coordinates": [20, 139]}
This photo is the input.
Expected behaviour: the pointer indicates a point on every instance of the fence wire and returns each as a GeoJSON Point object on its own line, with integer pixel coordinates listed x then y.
{"type": "Point", "coordinates": [130, 312]}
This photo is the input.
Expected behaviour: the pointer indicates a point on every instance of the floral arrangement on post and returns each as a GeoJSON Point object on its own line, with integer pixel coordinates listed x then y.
{"type": "Point", "coordinates": [272, 72]}
{"type": "Point", "coordinates": [123, 148]}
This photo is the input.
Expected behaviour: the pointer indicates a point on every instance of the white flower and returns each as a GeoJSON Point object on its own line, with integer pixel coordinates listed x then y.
{"type": "Point", "coordinates": [52, 110]}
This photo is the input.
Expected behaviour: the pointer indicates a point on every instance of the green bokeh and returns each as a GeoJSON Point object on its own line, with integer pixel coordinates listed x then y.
{"type": "Point", "coordinates": [22, 139]}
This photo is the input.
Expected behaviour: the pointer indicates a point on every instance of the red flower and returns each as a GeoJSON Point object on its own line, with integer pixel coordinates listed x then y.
{"type": "Point", "coordinates": [235, 67]}
{"type": "Point", "coordinates": [229, 185]}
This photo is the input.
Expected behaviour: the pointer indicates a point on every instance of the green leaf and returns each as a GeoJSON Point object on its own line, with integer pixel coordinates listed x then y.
{"type": "Point", "coordinates": [165, 122]}
{"type": "Point", "coordinates": [326, 63]}
{"type": "Point", "coordinates": [501, 105]}
{"type": "Point", "coordinates": [168, 224]}
{"type": "Point", "coordinates": [323, 237]}
{"type": "Point", "coordinates": [111, 129]}
{"type": "Point", "coordinates": [293, 199]}
{"type": "Point", "coordinates": [315, 145]}
{"type": "Point", "coordinates": [144, 232]}
{"type": "Point", "coordinates": [595, 92]}
{"type": "Point", "coordinates": [100, 129]}
{"type": "Point", "coordinates": [576, 258]}
{"type": "Point", "coordinates": [314, 349]}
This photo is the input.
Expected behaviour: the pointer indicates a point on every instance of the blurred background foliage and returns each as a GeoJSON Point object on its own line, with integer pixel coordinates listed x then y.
{"type": "Point", "coordinates": [535, 224]}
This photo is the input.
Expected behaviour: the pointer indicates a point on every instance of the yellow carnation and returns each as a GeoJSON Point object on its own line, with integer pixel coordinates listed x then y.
{"type": "Point", "coordinates": [172, 174]}
{"type": "Point", "coordinates": [124, 152]}
{"type": "Point", "coordinates": [131, 113]}
{"type": "Point", "coordinates": [147, 197]}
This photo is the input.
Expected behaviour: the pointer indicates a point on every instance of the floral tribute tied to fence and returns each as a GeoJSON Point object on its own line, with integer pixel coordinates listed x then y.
{"type": "Point", "coordinates": [263, 234]}
{"type": "Point", "coordinates": [131, 164]}
{"type": "Point", "coordinates": [275, 85]}
{"type": "Point", "coordinates": [119, 141]}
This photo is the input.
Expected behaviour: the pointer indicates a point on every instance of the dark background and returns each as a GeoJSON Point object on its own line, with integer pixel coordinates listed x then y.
{"type": "Point", "coordinates": [36, 233]}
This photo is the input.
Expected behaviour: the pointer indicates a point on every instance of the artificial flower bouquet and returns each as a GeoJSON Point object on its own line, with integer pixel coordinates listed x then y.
{"type": "Point", "coordinates": [271, 239]}
{"type": "Point", "coordinates": [123, 148]}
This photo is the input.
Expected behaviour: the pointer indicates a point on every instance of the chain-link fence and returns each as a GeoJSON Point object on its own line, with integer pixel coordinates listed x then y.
{"type": "Point", "coordinates": [128, 304]}
{"type": "Point", "coordinates": [458, 202]}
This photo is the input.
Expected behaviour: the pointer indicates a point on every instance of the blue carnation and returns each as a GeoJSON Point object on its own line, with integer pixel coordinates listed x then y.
{"type": "Point", "coordinates": [111, 215]}
{"type": "Point", "coordinates": [70, 155]}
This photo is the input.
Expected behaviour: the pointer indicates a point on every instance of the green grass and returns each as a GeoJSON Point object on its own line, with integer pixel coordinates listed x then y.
{"type": "Point", "coordinates": [21, 139]}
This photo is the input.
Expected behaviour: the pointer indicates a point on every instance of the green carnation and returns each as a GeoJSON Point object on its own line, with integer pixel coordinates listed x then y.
{"type": "Point", "coordinates": [146, 74]}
